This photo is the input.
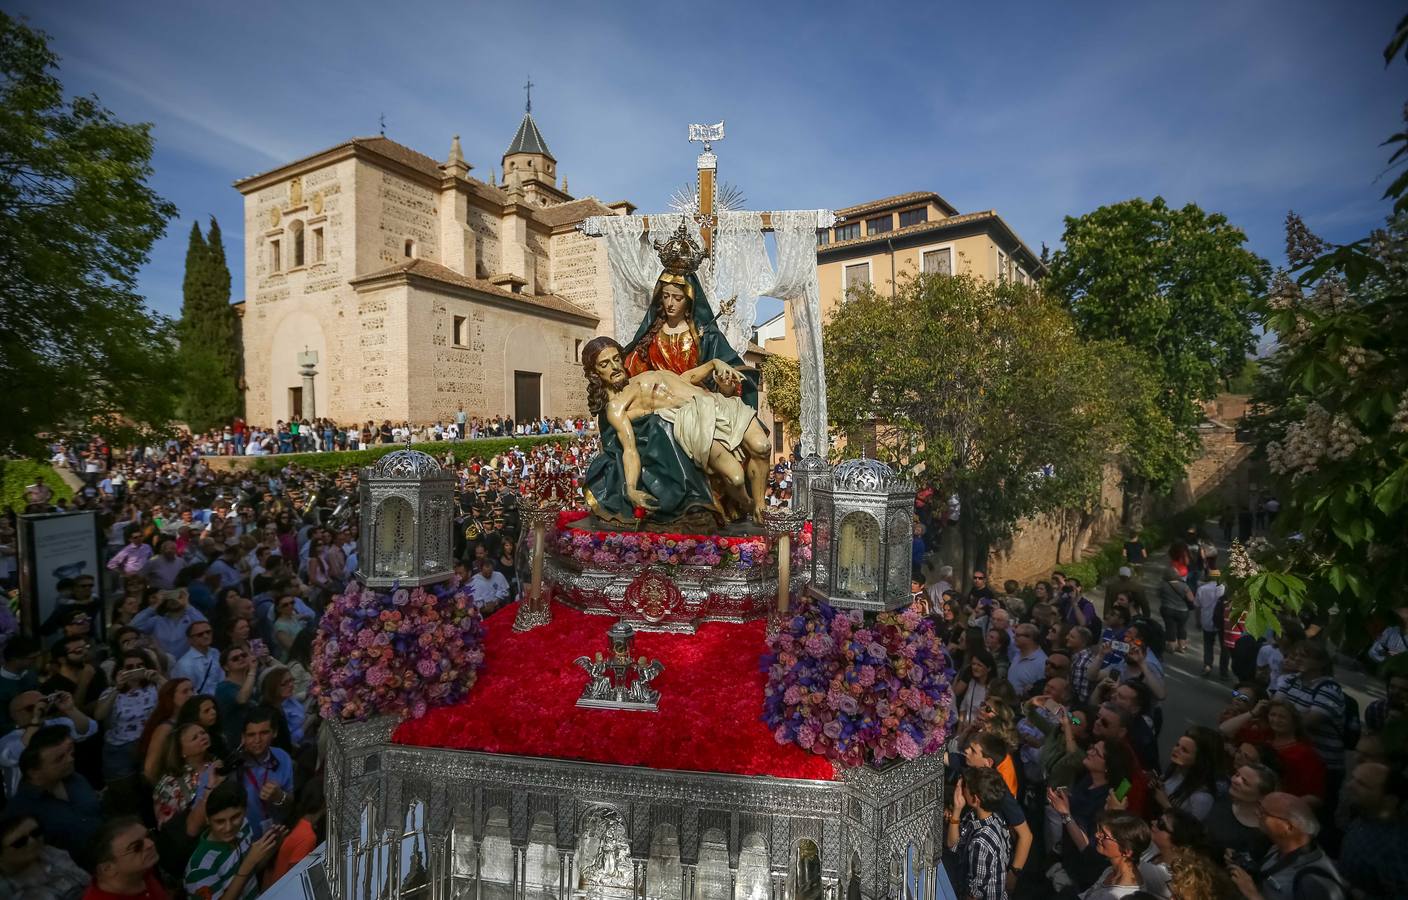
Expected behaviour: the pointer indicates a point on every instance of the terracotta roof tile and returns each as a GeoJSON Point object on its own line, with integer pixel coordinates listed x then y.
{"type": "Point", "coordinates": [424, 268]}
{"type": "Point", "coordinates": [570, 212]}
{"type": "Point", "coordinates": [896, 200]}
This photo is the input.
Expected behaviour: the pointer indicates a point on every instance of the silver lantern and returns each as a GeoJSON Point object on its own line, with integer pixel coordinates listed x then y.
{"type": "Point", "coordinates": [407, 506]}
{"type": "Point", "coordinates": [862, 515]}
{"type": "Point", "coordinates": [805, 472]}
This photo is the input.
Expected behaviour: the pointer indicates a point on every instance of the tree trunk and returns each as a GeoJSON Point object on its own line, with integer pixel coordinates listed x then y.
{"type": "Point", "coordinates": [968, 532]}
{"type": "Point", "coordinates": [1132, 512]}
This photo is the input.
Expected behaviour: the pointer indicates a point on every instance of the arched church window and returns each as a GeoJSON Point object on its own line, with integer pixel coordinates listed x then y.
{"type": "Point", "coordinates": [295, 232]}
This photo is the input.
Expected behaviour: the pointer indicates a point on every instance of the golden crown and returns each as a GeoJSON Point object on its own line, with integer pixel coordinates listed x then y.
{"type": "Point", "coordinates": [681, 254]}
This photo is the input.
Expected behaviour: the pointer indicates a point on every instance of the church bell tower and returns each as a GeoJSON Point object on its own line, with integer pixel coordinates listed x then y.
{"type": "Point", "coordinates": [529, 165]}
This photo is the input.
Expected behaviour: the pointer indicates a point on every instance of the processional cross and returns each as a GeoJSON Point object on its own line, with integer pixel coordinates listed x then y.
{"type": "Point", "coordinates": [795, 281]}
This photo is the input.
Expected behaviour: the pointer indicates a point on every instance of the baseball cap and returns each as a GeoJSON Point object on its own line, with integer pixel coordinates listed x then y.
{"type": "Point", "coordinates": [1126, 571]}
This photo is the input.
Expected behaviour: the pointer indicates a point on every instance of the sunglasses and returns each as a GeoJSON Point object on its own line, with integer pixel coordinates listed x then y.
{"type": "Point", "coordinates": [1076, 720]}
{"type": "Point", "coordinates": [1238, 695]}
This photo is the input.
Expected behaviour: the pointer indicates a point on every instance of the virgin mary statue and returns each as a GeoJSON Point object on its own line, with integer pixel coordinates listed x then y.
{"type": "Point", "coordinates": [678, 333]}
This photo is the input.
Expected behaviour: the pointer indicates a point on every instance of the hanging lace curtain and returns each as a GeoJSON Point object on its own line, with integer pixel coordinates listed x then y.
{"type": "Point", "coordinates": [741, 273]}
{"type": "Point", "coordinates": [796, 283]}
{"type": "Point", "coordinates": [634, 264]}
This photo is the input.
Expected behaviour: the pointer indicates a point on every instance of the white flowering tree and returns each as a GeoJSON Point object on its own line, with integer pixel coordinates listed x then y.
{"type": "Point", "coordinates": [1332, 419]}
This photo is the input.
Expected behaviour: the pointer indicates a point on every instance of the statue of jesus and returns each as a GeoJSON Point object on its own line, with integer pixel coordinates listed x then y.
{"type": "Point", "coordinates": [718, 435]}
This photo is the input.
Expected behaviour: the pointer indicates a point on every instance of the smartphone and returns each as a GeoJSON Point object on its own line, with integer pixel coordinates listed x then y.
{"type": "Point", "coordinates": [1119, 646]}
{"type": "Point", "coordinates": [1122, 790]}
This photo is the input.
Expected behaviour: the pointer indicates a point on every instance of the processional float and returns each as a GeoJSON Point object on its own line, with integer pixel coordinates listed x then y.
{"type": "Point", "coordinates": [596, 752]}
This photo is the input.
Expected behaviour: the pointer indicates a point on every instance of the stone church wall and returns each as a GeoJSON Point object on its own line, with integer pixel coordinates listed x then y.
{"type": "Point", "coordinates": [489, 259]}
{"type": "Point", "coordinates": [480, 374]}
{"type": "Point", "coordinates": [299, 307]}
{"type": "Point", "coordinates": [392, 210]}
{"type": "Point", "coordinates": [579, 272]}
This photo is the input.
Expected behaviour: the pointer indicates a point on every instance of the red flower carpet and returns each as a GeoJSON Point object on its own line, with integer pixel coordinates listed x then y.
{"type": "Point", "coordinates": [711, 702]}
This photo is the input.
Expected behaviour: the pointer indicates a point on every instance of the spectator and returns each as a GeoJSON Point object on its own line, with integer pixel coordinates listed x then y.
{"type": "Point", "coordinates": [168, 621]}
{"type": "Point", "coordinates": [17, 674]}
{"type": "Point", "coordinates": [127, 860]}
{"type": "Point", "coordinates": [63, 803]}
{"type": "Point", "coordinates": [1121, 839]}
{"type": "Point", "coordinates": [979, 835]}
{"type": "Point", "coordinates": [1030, 665]}
{"type": "Point", "coordinates": [188, 772]}
{"type": "Point", "coordinates": [305, 834]}
{"type": "Point", "coordinates": [200, 664]}
{"type": "Point", "coordinates": [30, 712]}
{"type": "Point", "coordinates": [1394, 704]}
{"type": "Point", "coordinates": [1171, 832]}
{"type": "Point", "coordinates": [1296, 867]}
{"type": "Point", "coordinates": [266, 772]}
{"type": "Point", "coordinates": [1175, 600]}
{"type": "Point", "coordinates": [1191, 780]}
{"type": "Point", "coordinates": [1107, 765]}
{"type": "Point", "coordinates": [1319, 699]}
{"type": "Point", "coordinates": [488, 587]}
{"type": "Point", "coordinates": [233, 694]}
{"type": "Point", "coordinates": [1209, 604]}
{"type": "Point", "coordinates": [1372, 855]}
{"type": "Point", "coordinates": [1392, 640]}
{"type": "Point", "coordinates": [988, 750]}
{"type": "Point", "coordinates": [227, 859]}
{"type": "Point", "coordinates": [124, 710]}
{"type": "Point", "coordinates": [169, 699]}
{"type": "Point", "coordinates": [73, 672]}
{"type": "Point", "coordinates": [132, 559]}
{"type": "Point", "coordinates": [162, 570]}
{"type": "Point", "coordinates": [1234, 823]}
{"type": "Point", "coordinates": [204, 711]}
{"type": "Point", "coordinates": [1131, 588]}
{"type": "Point", "coordinates": [32, 870]}
{"type": "Point", "coordinates": [971, 687]}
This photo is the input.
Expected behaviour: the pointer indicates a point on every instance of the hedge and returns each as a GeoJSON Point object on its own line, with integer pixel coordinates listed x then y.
{"type": "Point", "coordinates": [462, 450]}
{"type": "Point", "coordinates": [18, 474]}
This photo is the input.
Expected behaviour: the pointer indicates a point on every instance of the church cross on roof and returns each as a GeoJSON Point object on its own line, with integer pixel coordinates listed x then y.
{"type": "Point", "coordinates": [529, 139]}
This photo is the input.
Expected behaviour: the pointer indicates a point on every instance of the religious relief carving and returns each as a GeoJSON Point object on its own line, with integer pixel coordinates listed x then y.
{"type": "Point", "coordinates": [295, 191]}
{"type": "Point", "coordinates": [274, 216]}
{"type": "Point", "coordinates": [318, 204]}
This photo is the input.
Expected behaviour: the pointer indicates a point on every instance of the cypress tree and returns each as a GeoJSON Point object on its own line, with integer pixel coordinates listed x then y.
{"type": "Point", "coordinates": [209, 351]}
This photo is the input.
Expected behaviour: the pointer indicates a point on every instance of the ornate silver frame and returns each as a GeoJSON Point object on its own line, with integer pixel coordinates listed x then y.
{"type": "Point", "coordinates": [868, 828]}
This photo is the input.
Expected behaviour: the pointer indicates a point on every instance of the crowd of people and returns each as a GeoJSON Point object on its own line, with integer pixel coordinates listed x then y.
{"type": "Point", "coordinates": [169, 743]}
{"type": "Point", "coordinates": [1059, 785]}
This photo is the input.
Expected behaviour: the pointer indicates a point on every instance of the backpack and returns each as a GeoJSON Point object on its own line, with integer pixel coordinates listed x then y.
{"type": "Point", "coordinates": [1353, 725]}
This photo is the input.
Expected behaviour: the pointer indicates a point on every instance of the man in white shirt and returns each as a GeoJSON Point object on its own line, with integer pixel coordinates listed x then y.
{"type": "Point", "coordinates": [1209, 596]}
{"type": "Point", "coordinates": [488, 587]}
{"type": "Point", "coordinates": [201, 663]}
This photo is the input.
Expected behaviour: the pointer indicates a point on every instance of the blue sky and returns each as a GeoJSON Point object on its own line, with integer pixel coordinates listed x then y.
{"type": "Point", "coordinates": [1037, 110]}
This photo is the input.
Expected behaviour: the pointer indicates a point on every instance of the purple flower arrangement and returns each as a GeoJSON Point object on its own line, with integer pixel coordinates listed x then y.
{"type": "Point", "coordinates": [620, 549]}
{"type": "Point", "coordinates": [857, 692]}
{"type": "Point", "coordinates": [398, 653]}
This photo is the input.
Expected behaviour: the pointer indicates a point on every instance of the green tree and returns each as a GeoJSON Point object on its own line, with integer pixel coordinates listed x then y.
{"type": "Point", "coordinates": [1177, 286]}
{"type": "Point", "coordinates": [209, 359]}
{"type": "Point", "coordinates": [782, 376]}
{"type": "Point", "coordinates": [79, 350]}
{"type": "Point", "coordinates": [983, 390]}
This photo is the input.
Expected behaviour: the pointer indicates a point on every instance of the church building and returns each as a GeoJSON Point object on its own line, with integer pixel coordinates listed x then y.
{"type": "Point", "coordinates": [418, 286]}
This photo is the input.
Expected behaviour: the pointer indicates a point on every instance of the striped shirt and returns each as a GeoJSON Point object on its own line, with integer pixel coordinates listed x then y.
{"type": "Point", "coordinates": [1326, 732]}
{"type": "Point", "coordinates": [986, 848]}
{"type": "Point", "coordinates": [214, 865]}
